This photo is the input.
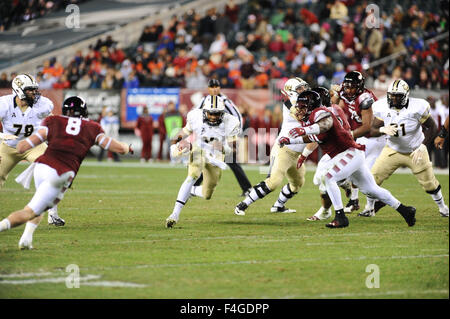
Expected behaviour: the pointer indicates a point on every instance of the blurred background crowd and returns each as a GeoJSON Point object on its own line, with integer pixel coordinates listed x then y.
{"type": "Point", "coordinates": [245, 46]}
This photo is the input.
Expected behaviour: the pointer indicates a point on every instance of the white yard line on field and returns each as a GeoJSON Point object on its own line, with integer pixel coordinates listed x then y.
{"type": "Point", "coordinates": [84, 280]}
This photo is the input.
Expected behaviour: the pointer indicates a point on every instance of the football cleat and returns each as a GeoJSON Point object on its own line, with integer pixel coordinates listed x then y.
{"type": "Point", "coordinates": [352, 205]}
{"type": "Point", "coordinates": [444, 212]}
{"type": "Point", "coordinates": [409, 214]}
{"type": "Point", "coordinates": [170, 222]}
{"type": "Point", "coordinates": [321, 214]}
{"type": "Point", "coordinates": [338, 222]}
{"type": "Point", "coordinates": [367, 213]}
{"type": "Point", "coordinates": [240, 209]}
{"type": "Point", "coordinates": [55, 220]}
{"type": "Point", "coordinates": [283, 209]}
{"type": "Point", "coordinates": [25, 243]}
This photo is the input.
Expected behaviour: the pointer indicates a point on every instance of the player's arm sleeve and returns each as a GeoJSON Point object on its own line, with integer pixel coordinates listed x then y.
{"type": "Point", "coordinates": [425, 114]}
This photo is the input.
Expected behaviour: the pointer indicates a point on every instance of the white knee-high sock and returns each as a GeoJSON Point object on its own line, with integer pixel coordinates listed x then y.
{"type": "Point", "coordinates": [183, 195]}
{"type": "Point", "coordinates": [370, 203]}
{"type": "Point", "coordinates": [438, 198]}
{"type": "Point", "coordinates": [257, 192]}
{"type": "Point", "coordinates": [354, 194]}
{"type": "Point", "coordinates": [334, 193]}
{"type": "Point", "coordinates": [29, 230]}
{"type": "Point", "coordinates": [284, 196]}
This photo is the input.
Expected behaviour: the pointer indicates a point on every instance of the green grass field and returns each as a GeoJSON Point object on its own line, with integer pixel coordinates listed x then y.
{"type": "Point", "coordinates": [115, 233]}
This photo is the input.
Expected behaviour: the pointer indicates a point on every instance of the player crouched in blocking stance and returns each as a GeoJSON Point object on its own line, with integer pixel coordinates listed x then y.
{"type": "Point", "coordinates": [401, 118]}
{"type": "Point", "coordinates": [346, 156]}
{"type": "Point", "coordinates": [69, 137]}
{"type": "Point", "coordinates": [283, 161]}
{"type": "Point", "coordinates": [214, 134]}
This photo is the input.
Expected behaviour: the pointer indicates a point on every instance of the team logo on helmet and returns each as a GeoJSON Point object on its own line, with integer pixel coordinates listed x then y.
{"type": "Point", "coordinates": [26, 88]}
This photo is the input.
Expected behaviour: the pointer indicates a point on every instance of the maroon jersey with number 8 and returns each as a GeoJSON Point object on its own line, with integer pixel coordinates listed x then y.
{"type": "Point", "coordinates": [69, 140]}
{"type": "Point", "coordinates": [338, 138]}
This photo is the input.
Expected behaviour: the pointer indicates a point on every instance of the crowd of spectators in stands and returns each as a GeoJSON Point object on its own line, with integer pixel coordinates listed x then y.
{"type": "Point", "coordinates": [15, 12]}
{"type": "Point", "coordinates": [244, 46]}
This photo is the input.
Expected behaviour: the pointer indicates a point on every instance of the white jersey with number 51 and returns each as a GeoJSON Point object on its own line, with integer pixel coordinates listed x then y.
{"type": "Point", "coordinates": [408, 120]}
{"type": "Point", "coordinates": [22, 124]}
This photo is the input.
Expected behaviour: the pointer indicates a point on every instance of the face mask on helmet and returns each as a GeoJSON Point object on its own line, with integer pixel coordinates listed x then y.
{"type": "Point", "coordinates": [306, 103]}
{"type": "Point", "coordinates": [26, 88]}
{"type": "Point", "coordinates": [353, 85]}
{"type": "Point", "coordinates": [213, 110]}
{"type": "Point", "coordinates": [293, 87]}
{"type": "Point", "coordinates": [213, 118]}
{"type": "Point", "coordinates": [74, 106]}
{"type": "Point", "coordinates": [398, 94]}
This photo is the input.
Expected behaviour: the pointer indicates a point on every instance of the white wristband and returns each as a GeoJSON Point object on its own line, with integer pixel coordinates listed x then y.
{"type": "Point", "coordinates": [29, 142]}
{"type": "Point", "coordinates": [306, 152]}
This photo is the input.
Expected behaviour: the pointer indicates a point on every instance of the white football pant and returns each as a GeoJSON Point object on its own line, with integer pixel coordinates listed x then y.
{"type": "Point", "coordinates": [351, 164]}
{"type": "Point", "coordinates": [50, 187]}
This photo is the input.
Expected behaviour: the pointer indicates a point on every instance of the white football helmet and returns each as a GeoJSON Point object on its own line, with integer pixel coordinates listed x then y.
{"type": "Point", "coordinates": [24, 82]}
{"type": "Point", "coordinates": [213, 110]}
{"type": "Point", "coordinates": [398, 94]}
{"type": "Point", "coordinates": [293, 87]}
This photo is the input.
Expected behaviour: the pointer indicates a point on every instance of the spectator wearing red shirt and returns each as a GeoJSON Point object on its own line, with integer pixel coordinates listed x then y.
{"type": "Point", "coordinates": [308, 17]}
{"type": "Point", "coordinates": [144, 129]}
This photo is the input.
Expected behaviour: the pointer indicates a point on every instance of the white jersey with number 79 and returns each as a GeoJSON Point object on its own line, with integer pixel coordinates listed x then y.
{"type": "Point", "coordinates": [22, 124]}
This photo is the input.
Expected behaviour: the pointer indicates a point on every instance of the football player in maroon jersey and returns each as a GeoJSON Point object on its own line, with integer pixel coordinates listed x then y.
{"type": "Point", "coordinates": [356, 101]}
{"type": "Point", "coordinates": [346, 156]}
{"type": "Point", "coordinates": [69, 136]}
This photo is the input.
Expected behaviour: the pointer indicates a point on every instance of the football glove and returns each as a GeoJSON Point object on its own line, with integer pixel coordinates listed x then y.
{"type": "Point", "coordinates": [284, 141]}
{"type": "Point", "coordinates": [390, 130]}
{"type": "Point", "coordinates": [419, 154]}
{"type": "Point", "coordinates": [301, 160]}
{"type": "Point", "coordinates": [297, 132]}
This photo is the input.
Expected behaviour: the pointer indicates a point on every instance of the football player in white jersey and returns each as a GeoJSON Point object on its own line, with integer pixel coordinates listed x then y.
{"type": "Point", "coordinates": [213, 134]}
{"type": "Point", "coordinates": [20, 115]}
{"type": "Point", "coordinates": [230, 108]}
{"type": "Point", "coordinates": [283, 161]}
{"type": "Point", "coordinates": [401, 118]}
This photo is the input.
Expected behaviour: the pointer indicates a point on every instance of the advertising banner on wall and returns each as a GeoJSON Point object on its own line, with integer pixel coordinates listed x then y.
{"type": "Point", "coordinates": [96, 100]}
{"type": "Point", "coordinates": [156, 100]}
